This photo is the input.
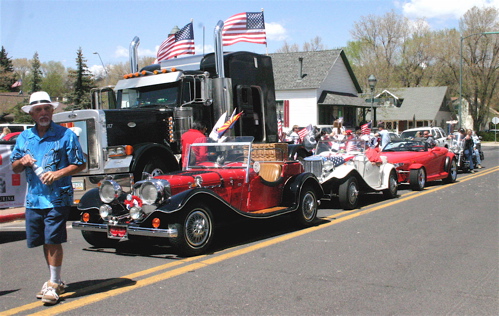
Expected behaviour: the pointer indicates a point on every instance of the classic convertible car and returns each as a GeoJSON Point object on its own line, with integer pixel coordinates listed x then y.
{"type": "Point", "coordinates": [344, 170]}
{"type": "Point", "coordinates": [223, 182]}
{"type": "Point", "coordinates": [416, 163]}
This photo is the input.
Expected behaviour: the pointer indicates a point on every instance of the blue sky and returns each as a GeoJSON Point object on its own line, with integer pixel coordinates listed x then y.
{"type": "Point", "coordinates": [57, 28]}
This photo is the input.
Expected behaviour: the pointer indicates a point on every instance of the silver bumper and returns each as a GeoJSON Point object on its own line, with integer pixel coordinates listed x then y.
{"type": "Point", "coordinates": [132, 231]}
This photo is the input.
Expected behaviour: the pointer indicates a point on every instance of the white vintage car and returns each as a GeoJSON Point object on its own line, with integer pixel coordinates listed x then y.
{"type": "Point", "coordinates": [344, 170]}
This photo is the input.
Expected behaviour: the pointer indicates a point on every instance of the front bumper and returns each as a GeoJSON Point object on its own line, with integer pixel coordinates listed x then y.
{"type": "Point", "coordinates": [131, 230]}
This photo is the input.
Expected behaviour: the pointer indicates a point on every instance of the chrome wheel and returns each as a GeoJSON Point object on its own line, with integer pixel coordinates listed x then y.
{"type": "Point", "coordinates": [197, 228]}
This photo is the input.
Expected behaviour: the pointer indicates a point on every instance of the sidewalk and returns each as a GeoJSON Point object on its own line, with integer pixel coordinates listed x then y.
{"type": "Point", "coordinates": [11, 214]}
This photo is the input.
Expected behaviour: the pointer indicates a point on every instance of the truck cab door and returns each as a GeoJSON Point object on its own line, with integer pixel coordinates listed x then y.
{"type": "Point", "coordinates": [249, 100]}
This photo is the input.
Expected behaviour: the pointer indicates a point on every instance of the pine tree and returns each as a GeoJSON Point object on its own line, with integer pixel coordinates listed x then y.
{"type": "Point", "coordinates": [36, 80]}
{"type": "Point", "coordinates": [7, 75]}
{"type": "Point", "coordinates": [83, 82]}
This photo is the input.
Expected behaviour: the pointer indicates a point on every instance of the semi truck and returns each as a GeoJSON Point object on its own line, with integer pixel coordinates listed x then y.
{"type": "Point", "coordinates": [135, 127]}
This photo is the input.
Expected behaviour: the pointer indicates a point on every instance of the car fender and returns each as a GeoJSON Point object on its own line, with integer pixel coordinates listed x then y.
{"type": "Point", "coordinates": [387, 169]}
{"type": "Point", "coordinates": [416, 166]}
{"type": "Point", "coordinates": [294, 185]}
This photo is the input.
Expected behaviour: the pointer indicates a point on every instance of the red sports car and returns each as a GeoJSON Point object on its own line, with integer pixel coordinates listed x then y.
{"type": "Point", "coordinates": [416, 163]}
{"type": "Point", "coordinates": [223, 182]}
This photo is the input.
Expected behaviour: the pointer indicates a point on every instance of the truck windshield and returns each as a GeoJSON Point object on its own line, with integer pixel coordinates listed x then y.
{"type": "Point", "coordinates": [162, 95]}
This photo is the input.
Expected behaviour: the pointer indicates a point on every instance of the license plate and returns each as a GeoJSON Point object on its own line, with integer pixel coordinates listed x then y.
{"type": "Point", "coordinates": [117, 232]}
{"type": "Point", "coordinates": [78, 185]}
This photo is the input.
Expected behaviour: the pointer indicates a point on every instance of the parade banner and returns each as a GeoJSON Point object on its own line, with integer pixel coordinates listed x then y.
{"type": "Point", "coordinates": [12, 186]}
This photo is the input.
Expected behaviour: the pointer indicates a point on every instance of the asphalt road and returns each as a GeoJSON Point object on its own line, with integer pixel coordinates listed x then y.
{"type": "Point", "coordinates": [434, 252]}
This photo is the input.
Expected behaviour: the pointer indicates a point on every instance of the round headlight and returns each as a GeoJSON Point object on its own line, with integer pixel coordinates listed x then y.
{"type": "Point", "coordinates": [154, 191]}
{"type": "Point", "coordinates": [109, 190]}
{"type": "Point", "coordinates": [104, 210]}
{"type": "Point", "coordinates": [135, 212]}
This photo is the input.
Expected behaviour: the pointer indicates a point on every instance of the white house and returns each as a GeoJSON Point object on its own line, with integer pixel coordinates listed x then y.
{"type": "Point", "coordinates": [316, 88]}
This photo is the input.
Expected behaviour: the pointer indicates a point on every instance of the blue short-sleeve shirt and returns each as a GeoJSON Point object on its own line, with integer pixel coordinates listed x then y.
{"type": "Point", "coordinates": [57, 149]}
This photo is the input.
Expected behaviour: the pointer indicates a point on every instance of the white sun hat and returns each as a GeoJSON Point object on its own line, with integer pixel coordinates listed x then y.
{"type": "Point", "coordinates": [39, 98]}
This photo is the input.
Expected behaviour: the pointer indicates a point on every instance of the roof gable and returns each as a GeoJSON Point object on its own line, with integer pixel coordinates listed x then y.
{"type": "Point", "coordinates": [308, 70]}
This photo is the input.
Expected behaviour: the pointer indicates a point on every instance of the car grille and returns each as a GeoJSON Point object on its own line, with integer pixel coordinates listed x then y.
{"type": "Point", "coordinates": [313, 166]}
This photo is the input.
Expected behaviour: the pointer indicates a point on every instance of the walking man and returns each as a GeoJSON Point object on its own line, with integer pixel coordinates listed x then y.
{"type": "Point", "coordinates": [50, 154]}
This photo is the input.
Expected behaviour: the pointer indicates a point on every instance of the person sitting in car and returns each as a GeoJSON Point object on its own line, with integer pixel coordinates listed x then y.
{"type": "Point", "coordinates": [429, 139]}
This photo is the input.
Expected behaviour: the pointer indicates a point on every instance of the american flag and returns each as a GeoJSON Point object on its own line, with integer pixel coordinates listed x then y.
{"type": "Point", "coordinates": [18, 83]}
{"type": "Point", "coordinates": [280, 132]}
{"type": "Point", "coordinates": [366, 128]}
{"type": "Point", "coordinates": [336, 160]}
{"type": "Point", "coordinates": [302, 133]}
{"type": "Point", "coordinates": [180, 43]}
{"type": "Point", "coordinates": [244, 27]}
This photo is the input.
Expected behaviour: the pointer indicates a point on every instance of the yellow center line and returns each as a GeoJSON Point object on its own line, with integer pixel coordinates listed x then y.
{"type": "Point", "coordinates": [67, 306]}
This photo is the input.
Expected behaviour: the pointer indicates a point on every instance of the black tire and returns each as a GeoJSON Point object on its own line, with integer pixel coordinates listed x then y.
{"type": "Point", "coordinates": [452, 170]}
{"type": "Point", "coordinates": [153, 166]}
{"type": "Point", "coordinates": [392, 190]}
{"type": "Point", "coordinates": [417, 179]}
{"type": "Point", "coordinates": [306, 213]}
{"type": "Point", "coordinates": [348, 194]}
{"type": "Point", "coordinates": [99, 240]}
{"type": "Point", "coordinates": [195, 232]}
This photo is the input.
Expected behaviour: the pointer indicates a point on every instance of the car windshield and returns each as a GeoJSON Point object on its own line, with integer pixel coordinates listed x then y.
{"type": "Point", "coordinates": [354, 146]}
{"type": "Point", "coordinates": [232, 153]}
{"type": "Point", "coordinates": [412, 134]}
{"type": "Point", "coordinates": [405, 146]}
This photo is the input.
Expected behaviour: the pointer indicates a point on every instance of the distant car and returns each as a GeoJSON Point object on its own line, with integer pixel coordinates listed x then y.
{"type": "Point", "coordinates": [344, 171]}
{"type": "Point", "coordinates": [15, 127]}
{"type": "Point", "coordinates": [222, 184]}
{"type": "Point", "coordinates": [11, 137]}
{"type": "Point", "coordinates": [437, 132]}
{"type": "Point", "coordinates": [416, 163]}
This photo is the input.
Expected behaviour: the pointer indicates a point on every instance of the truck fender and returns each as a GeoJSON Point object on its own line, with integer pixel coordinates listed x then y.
{"type": "Point", "coordinates": [144, 153]}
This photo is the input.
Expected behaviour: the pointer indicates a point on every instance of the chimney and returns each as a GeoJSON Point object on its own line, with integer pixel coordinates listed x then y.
{"type": "Point", "coordinates": [300, 68]}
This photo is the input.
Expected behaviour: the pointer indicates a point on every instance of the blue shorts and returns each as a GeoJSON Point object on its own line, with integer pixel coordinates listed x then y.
{"type": "Point", "coordinates": [46, 226]}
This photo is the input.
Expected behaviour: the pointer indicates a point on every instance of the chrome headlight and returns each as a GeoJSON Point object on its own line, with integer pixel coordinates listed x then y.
{"type": "Point", "coordinates": [154, 191]}
{"type": "Point", "coordinates": [109, 190]}
{"type": "Point", "coordinates": [105, 210]}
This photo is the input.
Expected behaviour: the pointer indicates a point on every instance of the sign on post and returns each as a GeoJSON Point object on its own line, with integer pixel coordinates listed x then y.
{"type": "Point", "coordinates": [495, 121]}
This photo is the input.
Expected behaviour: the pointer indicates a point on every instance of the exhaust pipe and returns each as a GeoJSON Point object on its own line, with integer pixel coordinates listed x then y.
{"type": "Point", "coordinates": [219, 53]}
{"type": "Point", "coordinates": [134, 45]}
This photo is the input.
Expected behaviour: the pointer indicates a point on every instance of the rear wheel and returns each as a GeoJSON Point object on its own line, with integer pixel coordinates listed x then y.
{"type": "Point", "coordinates": [348, 194]}
{"type": "Point", "coordinates": [98, 239]}
{"type": "Point", "coordinates": [417, 179]}
{"type": "Point", "coordinates": [195, 232]}
{"type": "Point", "coordinates": [307, 211]}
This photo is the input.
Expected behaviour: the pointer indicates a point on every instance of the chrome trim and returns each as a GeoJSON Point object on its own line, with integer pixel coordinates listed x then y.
{"type": "Point", "coordinates": [132, 231]}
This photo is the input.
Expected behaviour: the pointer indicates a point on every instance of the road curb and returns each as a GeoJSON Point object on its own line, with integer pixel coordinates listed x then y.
{"type": "Point", "coordinates": [11, 217]}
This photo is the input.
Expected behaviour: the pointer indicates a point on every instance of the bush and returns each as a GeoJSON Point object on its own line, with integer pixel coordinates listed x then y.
{"type": "Point", "coordinates": [488, 136]}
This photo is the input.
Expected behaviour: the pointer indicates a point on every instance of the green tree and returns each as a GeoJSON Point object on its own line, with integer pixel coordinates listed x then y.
{"type": "Point", "coordinates": [55, 81]}
{"type": "Point", "coordinates": [82, 83]}
{"type": "Point", "coordinates": [36, 75]}
{"type": "Point", "coordinates": [7, 75]}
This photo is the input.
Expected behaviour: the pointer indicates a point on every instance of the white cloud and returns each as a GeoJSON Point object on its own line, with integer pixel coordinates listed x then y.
{"type": "Point", "coordinates": [275, 31]}
{"type": "Point", "coordinates": [121, 52]}
{"type": "Point", "coordinates": [442, 9]}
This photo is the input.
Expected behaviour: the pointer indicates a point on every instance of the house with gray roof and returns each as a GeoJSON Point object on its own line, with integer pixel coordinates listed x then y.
{"type": "Point", "coordinates": [316, 88]}
{"type": "Point", "coordinates": [405, 108]}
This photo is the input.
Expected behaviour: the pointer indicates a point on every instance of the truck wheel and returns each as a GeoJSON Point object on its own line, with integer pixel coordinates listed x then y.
{"type": "Point", "coordinates": [99, 240]}
{"type": "Point", "coordinates": [348, 194]}
{"type": "Point", "coordinates": [391, 192]}
{"type": "Point", "coordinates": [417, 179]}
{"type": "Point", "coordinates": [153, 166]}
{"type": "Point", "coordinates": [195, 232]}
{"type": "Point", "coordinates": [307, 211]}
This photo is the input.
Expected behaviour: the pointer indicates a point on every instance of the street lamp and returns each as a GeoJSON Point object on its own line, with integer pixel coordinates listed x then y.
{"type": "Point", "coordinates": [101, 62]}
{"type": "Point", "coordinates": [372, 84]}
{"type": "Point", "coordinates": [461, 73]}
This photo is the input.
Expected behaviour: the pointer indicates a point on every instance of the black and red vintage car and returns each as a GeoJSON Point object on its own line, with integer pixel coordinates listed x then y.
{"type": "Point", "coordinates": [223, 182]}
